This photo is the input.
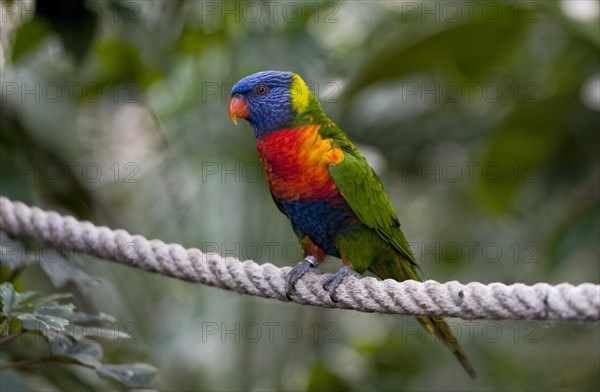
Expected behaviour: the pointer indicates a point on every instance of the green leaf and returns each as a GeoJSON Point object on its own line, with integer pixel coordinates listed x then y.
{"type": "Point", "coordinates": [48, 301]}
{"type": "Point", "coordinates": [92, 331]}
{"type": "Point", "coordinates": [61, 271]}
{"type": "Point", "coordinates": [43, 310]}
{"type": "Point", "coordinates": [84, 352]}
{"type": "Point", "coordinates": [57, 268]}
{"type": "Point", "coordinates": [323, 379]}
{"type": "Point", "coordinates": [27, 37]}
{"type": "Point", "coordinates": [80, 317]}
{"type": "Point", "coordinates": [135, 375]}
{"type": "Point", "coordinates": [11, 299]}
{"type": "Point", "coordinates": [47, 322]}
{"type": "Point", "coordinates": [122, 63]}
{"type": "Point", "coordinates": [195, 40]}
{"type": "Point", "coordinates": [7, 297]}
{"type": "Point", "coordinates": [36, 326]}
{"type": "Point", "coordinates": [12, 254]}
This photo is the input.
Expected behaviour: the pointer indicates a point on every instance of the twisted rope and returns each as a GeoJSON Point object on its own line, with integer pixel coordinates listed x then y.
{"type": "Point", "coordinates": [452, 299]}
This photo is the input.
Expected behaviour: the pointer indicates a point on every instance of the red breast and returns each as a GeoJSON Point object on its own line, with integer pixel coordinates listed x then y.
{"type": "Point", "coordinates": [296, 163]}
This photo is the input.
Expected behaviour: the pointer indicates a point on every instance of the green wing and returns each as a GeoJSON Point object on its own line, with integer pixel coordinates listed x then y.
{"type": "Point", "coordinates": [363, 191]}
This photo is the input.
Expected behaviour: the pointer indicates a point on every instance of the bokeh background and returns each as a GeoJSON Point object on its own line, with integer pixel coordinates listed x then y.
{"type": "Point", "coordinates": [481, 119]}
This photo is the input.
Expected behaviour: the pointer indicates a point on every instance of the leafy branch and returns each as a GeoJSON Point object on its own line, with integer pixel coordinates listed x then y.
{"type": "Point", "coordinates": [67, 332]}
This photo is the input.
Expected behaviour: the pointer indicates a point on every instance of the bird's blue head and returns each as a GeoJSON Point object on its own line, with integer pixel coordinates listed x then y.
{"type": "Point", "coordinates": [269, 100]}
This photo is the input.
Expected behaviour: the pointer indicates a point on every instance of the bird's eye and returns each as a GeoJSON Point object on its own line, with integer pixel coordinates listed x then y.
{"type": "Point", "coordinates": [261, 89]}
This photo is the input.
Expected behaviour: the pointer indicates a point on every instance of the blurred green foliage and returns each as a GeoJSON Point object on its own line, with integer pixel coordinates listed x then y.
{"type": "Point", "coordinates": [481, 118]}
{"type": "Point", "coordinates": [66, 332]}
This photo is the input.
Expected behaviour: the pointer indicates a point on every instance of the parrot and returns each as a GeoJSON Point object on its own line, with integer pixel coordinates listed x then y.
{"type": "Point", "coordinates": [334, 200]}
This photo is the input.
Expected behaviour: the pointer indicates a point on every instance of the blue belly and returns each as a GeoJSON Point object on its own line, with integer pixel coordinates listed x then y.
{"type": "Point", "coordinates": [322, 221]}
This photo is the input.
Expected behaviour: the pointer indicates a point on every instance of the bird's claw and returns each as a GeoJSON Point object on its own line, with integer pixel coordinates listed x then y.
{"type": "Point", "coordinates": [331, 283]}
{"type": "Point", "coordinates": [310, 262]}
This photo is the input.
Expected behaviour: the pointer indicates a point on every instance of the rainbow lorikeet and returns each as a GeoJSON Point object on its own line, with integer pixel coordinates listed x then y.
{"type": "Point", "coordinates": [319, 180]}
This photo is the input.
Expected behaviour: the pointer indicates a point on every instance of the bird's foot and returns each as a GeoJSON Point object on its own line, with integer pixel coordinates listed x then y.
{"type": "Point", "coordinates": [331, 283]}
{"type": "Point", "coordinates": [310, 262]}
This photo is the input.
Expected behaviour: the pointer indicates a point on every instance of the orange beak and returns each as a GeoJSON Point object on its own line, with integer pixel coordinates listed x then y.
{"type": "Point", "coordinates": [238, 108]}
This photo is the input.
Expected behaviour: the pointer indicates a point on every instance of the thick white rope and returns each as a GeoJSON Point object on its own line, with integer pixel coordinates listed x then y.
{"type": "Point", "coordinates": [452, 299]}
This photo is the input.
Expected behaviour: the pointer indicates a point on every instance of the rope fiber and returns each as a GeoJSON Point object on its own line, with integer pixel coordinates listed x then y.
{"type": "Point", "coordinates": [494, 301]}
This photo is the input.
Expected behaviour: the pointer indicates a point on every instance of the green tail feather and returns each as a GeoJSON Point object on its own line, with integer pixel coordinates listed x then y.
{"type": "Point", "coordinates": [400, 271]}
{"type": "Point", "coordinates": [440, 328]}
